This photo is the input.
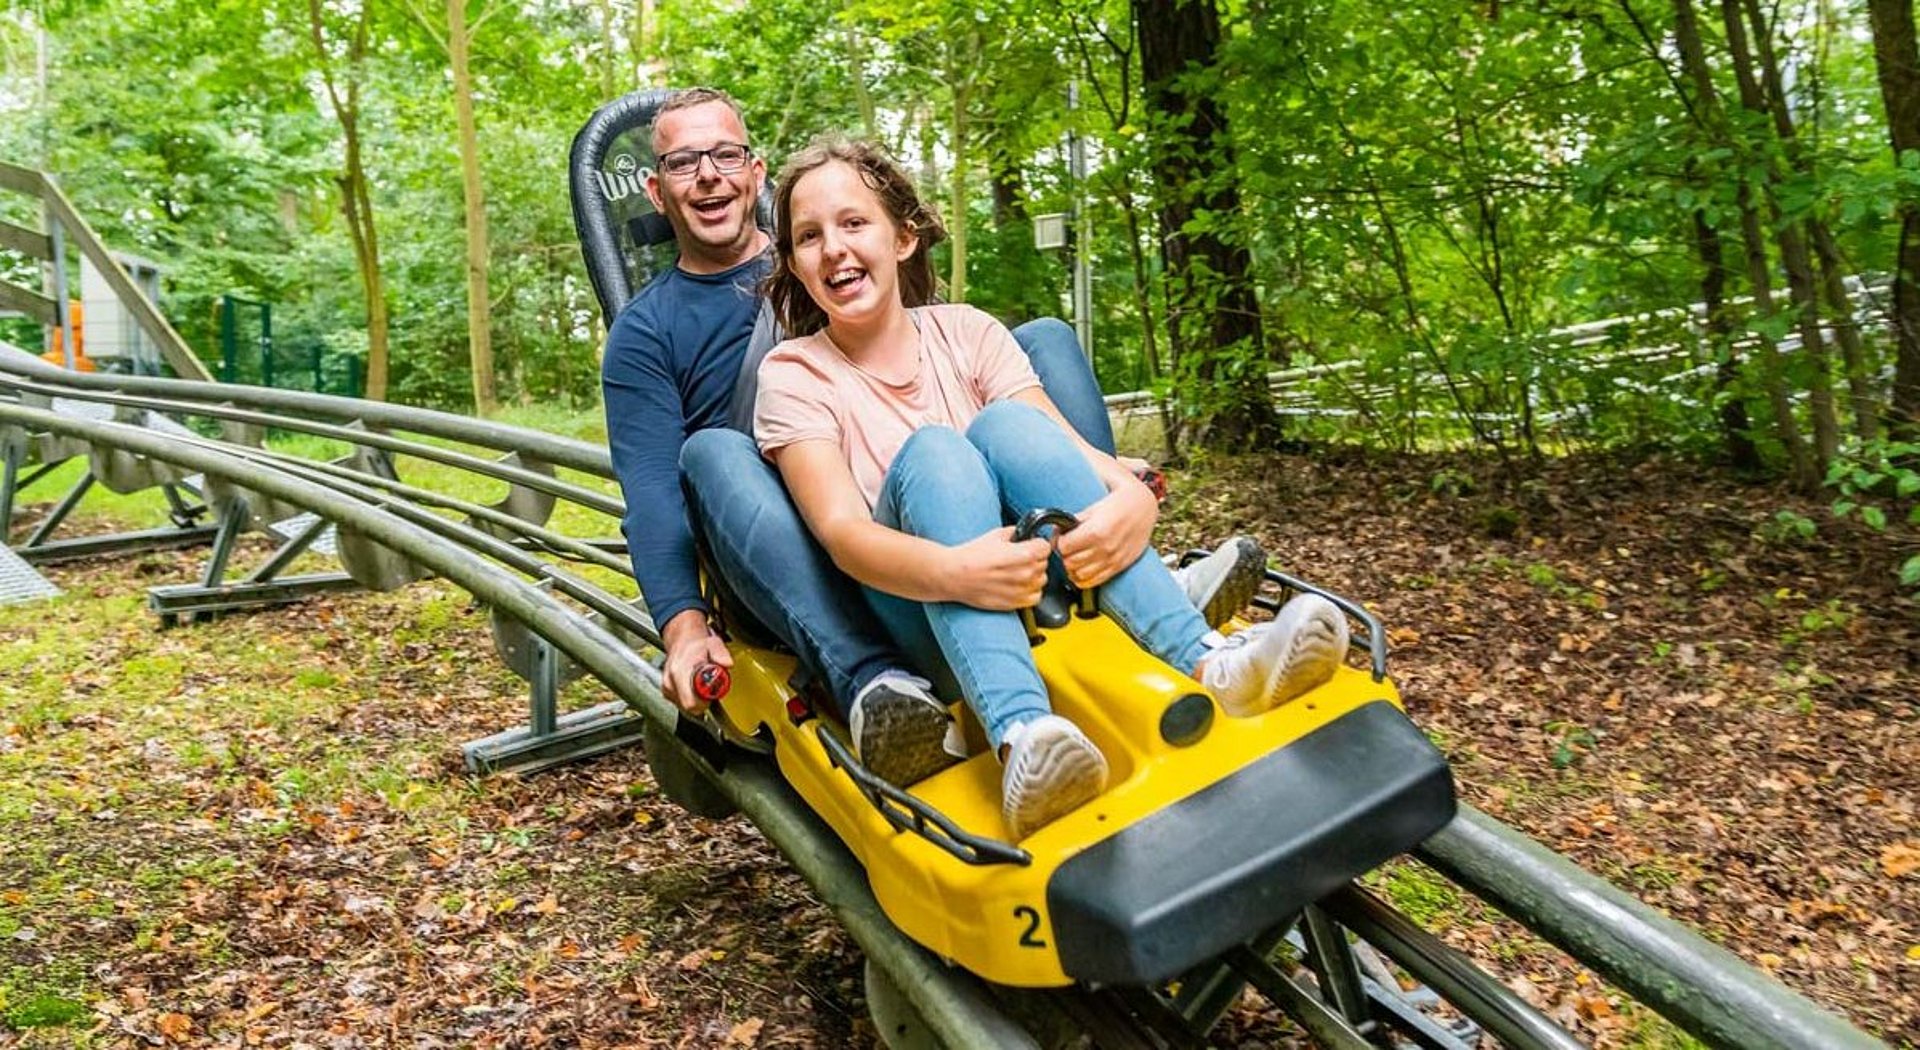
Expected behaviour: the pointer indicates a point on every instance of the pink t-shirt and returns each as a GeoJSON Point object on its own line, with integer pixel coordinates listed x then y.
{"type": "Point", "coordinates": [809, 390]}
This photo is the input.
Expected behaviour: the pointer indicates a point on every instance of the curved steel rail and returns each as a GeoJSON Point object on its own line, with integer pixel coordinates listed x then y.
{"type": "Point", "coordinates": [955, 1006]}
{"type": "Point", "coordinates": [1701, 987]}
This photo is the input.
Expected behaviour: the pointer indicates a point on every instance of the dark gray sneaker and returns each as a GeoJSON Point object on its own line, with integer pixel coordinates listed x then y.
{"type": "Point", "coordinates": [899, 730]}
{"type": "Point", "coordinates": [1223, 583]}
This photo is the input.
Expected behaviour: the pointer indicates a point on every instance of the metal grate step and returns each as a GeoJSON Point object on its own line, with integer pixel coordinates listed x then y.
{"type": "Point", "coordinates": [20, 582]}
{"type": "Point", "coordinates": [96, 411]}
{"type": "Point", "coordinates": [326, 543]}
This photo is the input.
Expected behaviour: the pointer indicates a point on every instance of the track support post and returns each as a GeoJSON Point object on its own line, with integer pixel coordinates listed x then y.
{"type": "Point", "coordinates": [61, 510]}
{"type": "Point", "coordinates": [549, 737]}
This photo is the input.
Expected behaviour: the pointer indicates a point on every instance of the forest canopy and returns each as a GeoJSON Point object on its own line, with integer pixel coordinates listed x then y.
{"type": "Point", "coordinates": [1405, 211]}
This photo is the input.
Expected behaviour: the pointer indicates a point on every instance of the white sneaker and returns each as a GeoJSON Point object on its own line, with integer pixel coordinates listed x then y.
{"type": "Point", "coordinates": [1052, 768]}
{"type": "Point", "coordinates": [1268, 664]}
{"type": "Point", "coordinates": [1223, 583]}
{"type": "Point", "coordinates": [899, 730]}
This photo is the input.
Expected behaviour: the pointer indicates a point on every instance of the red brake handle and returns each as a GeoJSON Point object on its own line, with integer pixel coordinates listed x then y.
{"type": "Point", "coordinates": [1155, 481]}
{"type": "Point", "coordinates": [711, 682]}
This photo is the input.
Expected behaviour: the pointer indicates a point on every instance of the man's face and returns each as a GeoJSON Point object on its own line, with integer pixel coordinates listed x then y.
{"type": "Point", "coordinates": [711, 211]}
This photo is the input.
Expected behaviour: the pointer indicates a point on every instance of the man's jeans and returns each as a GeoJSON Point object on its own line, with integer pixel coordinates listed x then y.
{"type": "Point", "coordinates": [778, 572]}
{"type": "Point", "coordinates": [951, 489]}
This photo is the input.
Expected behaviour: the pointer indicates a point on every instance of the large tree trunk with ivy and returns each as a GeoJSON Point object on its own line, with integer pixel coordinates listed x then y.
{"type": "Point", "coordinates": [1213, 316]}
{"type": "Point", "coordinates": [1898, 61]}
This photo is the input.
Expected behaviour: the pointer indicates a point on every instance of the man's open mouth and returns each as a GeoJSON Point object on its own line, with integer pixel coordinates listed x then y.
{"type": "Point", "coordinates": [711, 207]}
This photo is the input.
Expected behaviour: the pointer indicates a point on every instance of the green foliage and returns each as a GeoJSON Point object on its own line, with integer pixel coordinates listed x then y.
{"type": "Point", "coordinates": [1788, 527]}
{"type": "Point", "coordinates": [1427, 193]}
{"type": "Point", "coordinates": [44, 1011]}
{"type": "Point", "coordinates": [1572, 742]}
{"type": "Point", "coordinates": [1875, 483]}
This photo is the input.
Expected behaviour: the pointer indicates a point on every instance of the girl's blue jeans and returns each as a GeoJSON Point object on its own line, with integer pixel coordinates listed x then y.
{"type": "Point", "coordinates": [950, 488]}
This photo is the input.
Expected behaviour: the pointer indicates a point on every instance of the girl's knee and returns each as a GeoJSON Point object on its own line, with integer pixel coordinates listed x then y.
{"type": "Point", "coordinates": [938, 458]}
{"type": "Point", "coordinates": [934, 444]}
{"type": "Point", "coordinates": [1010, 421]}
{"type": "Point", "coordinates": [1010, 432]}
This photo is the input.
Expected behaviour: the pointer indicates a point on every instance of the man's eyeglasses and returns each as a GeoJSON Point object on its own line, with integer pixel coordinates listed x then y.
{"type": "Point", "coordinates": [728, 157]}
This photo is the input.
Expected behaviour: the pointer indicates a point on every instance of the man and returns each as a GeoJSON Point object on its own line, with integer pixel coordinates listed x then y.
{"type": "Point", "coordinates": [671, 378]}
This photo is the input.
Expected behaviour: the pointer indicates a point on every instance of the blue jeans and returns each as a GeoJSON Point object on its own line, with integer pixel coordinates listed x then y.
{"type": "Point", "coordinates": [777, 573]}
{"type": "Point", "coordinates": [951, 489]}
{"type": "Point", "coordinates": [1067, 376]}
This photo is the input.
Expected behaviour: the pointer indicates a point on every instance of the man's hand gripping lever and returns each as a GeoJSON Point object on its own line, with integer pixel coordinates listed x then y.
{"type": "Point", "coordinates": [697, 676]}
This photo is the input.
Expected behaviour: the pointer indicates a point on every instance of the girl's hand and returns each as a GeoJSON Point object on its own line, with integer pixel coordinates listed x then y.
{"type": "Point", "coordinates": [993, 572]}
{"type": "Point", "coordinates": [1110, 536]}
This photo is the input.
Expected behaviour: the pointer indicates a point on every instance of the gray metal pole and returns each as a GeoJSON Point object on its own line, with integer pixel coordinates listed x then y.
{"type": "Point", "coordinates": [1082, 266]}
{"type": "Point", "coordinates": [57, 277]}
{"type": "Point", "coordinates": [381, 415]}
{"type": "Point", "coordinates": [507, 472]}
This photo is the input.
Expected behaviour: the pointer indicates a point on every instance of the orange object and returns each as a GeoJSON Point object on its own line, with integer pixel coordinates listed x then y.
{"type": "Point", "coordinates": [76, 315]}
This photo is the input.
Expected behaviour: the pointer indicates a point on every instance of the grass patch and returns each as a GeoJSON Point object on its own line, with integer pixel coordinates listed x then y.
{"type": "Point", "coordinates": [1425, 897]}
{"type": "Point", "coordinates": [44, 1011]}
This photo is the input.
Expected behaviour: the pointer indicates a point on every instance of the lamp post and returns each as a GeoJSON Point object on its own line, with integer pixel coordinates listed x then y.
{"type": "Point", "coordinates": [1076, 178]}
{"type": "Point", "coordinates": [1053, 231]}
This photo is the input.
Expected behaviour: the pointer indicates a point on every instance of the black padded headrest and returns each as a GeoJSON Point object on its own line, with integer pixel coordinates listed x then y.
{"type": "Point", "coordinates": [624, 240]}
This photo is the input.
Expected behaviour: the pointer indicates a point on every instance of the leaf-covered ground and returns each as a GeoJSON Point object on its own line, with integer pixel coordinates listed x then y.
{"type": "Point", "coordinates": [1638, 666]}
{"type": "Point", "coordinates": [259, 832]}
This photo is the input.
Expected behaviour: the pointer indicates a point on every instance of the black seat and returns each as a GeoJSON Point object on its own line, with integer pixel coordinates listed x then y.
{"type": "Point", "coordinates": [624, 240]}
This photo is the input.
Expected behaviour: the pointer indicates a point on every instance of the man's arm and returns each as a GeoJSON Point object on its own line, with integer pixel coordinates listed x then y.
{"type": "Point", "coordinates": [646, 425]}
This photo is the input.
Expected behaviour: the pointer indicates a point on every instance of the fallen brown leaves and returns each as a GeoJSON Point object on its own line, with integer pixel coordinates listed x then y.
{"type": "Point", "coordinates": [257, 833]}
{"type": "Point", "coordinates": [1723, 725]}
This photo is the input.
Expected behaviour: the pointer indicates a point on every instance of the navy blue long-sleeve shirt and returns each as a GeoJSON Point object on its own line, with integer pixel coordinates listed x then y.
{"type": "Point", "coordinates": [673, 356]}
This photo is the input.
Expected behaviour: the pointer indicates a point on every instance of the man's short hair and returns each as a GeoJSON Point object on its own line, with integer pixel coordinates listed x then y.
{"type": "Point", "coordinates": [687, 98]}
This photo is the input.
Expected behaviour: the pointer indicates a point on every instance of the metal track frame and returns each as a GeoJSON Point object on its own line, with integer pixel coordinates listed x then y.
{"type": "Point", "coordinates": [1339, 990]}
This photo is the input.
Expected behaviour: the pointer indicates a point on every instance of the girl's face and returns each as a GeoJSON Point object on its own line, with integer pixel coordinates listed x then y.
{"type": "Point", "coordinates": [847, 250]}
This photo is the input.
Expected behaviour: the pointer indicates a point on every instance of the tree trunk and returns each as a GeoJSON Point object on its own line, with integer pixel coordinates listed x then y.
{"type": "Point", "coordinates": [1897, 61]}
{"type": "Point", "coordinates": [356, 201]}
{"type": "Point", "coordinates": [957, 195]}
{"type": "Point", "coordinates": [1846, 331]}
{"type": "Point", "coordinates": [609, 49]}
{"type": "Point", "coordinates": [1143, 301]}
{"type": "Point", "coordinates": [479, 307]}
{"type": "Point", "coordinates": [1802, 289]}
{"type": "Point", "coordinates": [1009, 204]}
{"type": "Point", "coordinates": [1831, 286]}
{"type": "Point", "coordinates": [642, 40]}
{"type": "Point", "coordinates": [1212, 311]}
{"type": "Point", "coordinates": [856, 54]}
{"type": "Point", "coordinates": [1735, 426]}
{"type": "Point", "coordinates": [1759, 272]}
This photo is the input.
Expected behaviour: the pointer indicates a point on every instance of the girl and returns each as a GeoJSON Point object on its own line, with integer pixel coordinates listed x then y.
{"type": "Point", "coordinates": [909, 432]}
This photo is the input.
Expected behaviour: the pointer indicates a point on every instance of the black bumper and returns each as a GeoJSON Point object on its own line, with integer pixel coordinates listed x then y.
{"type": "Point", "coordinates": [1213, 869]}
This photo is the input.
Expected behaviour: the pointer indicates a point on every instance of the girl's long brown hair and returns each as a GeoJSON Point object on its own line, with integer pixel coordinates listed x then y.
{"type": "Point", "coordinates": [797, 312]}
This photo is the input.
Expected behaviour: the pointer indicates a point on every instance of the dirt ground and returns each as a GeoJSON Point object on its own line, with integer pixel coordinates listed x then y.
{"type": "Point", "coordinates": [259, 833]}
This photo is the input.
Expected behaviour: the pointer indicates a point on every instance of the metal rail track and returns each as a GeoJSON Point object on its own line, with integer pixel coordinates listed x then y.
{"type": "Point", "coordinates": [1327, 969]}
